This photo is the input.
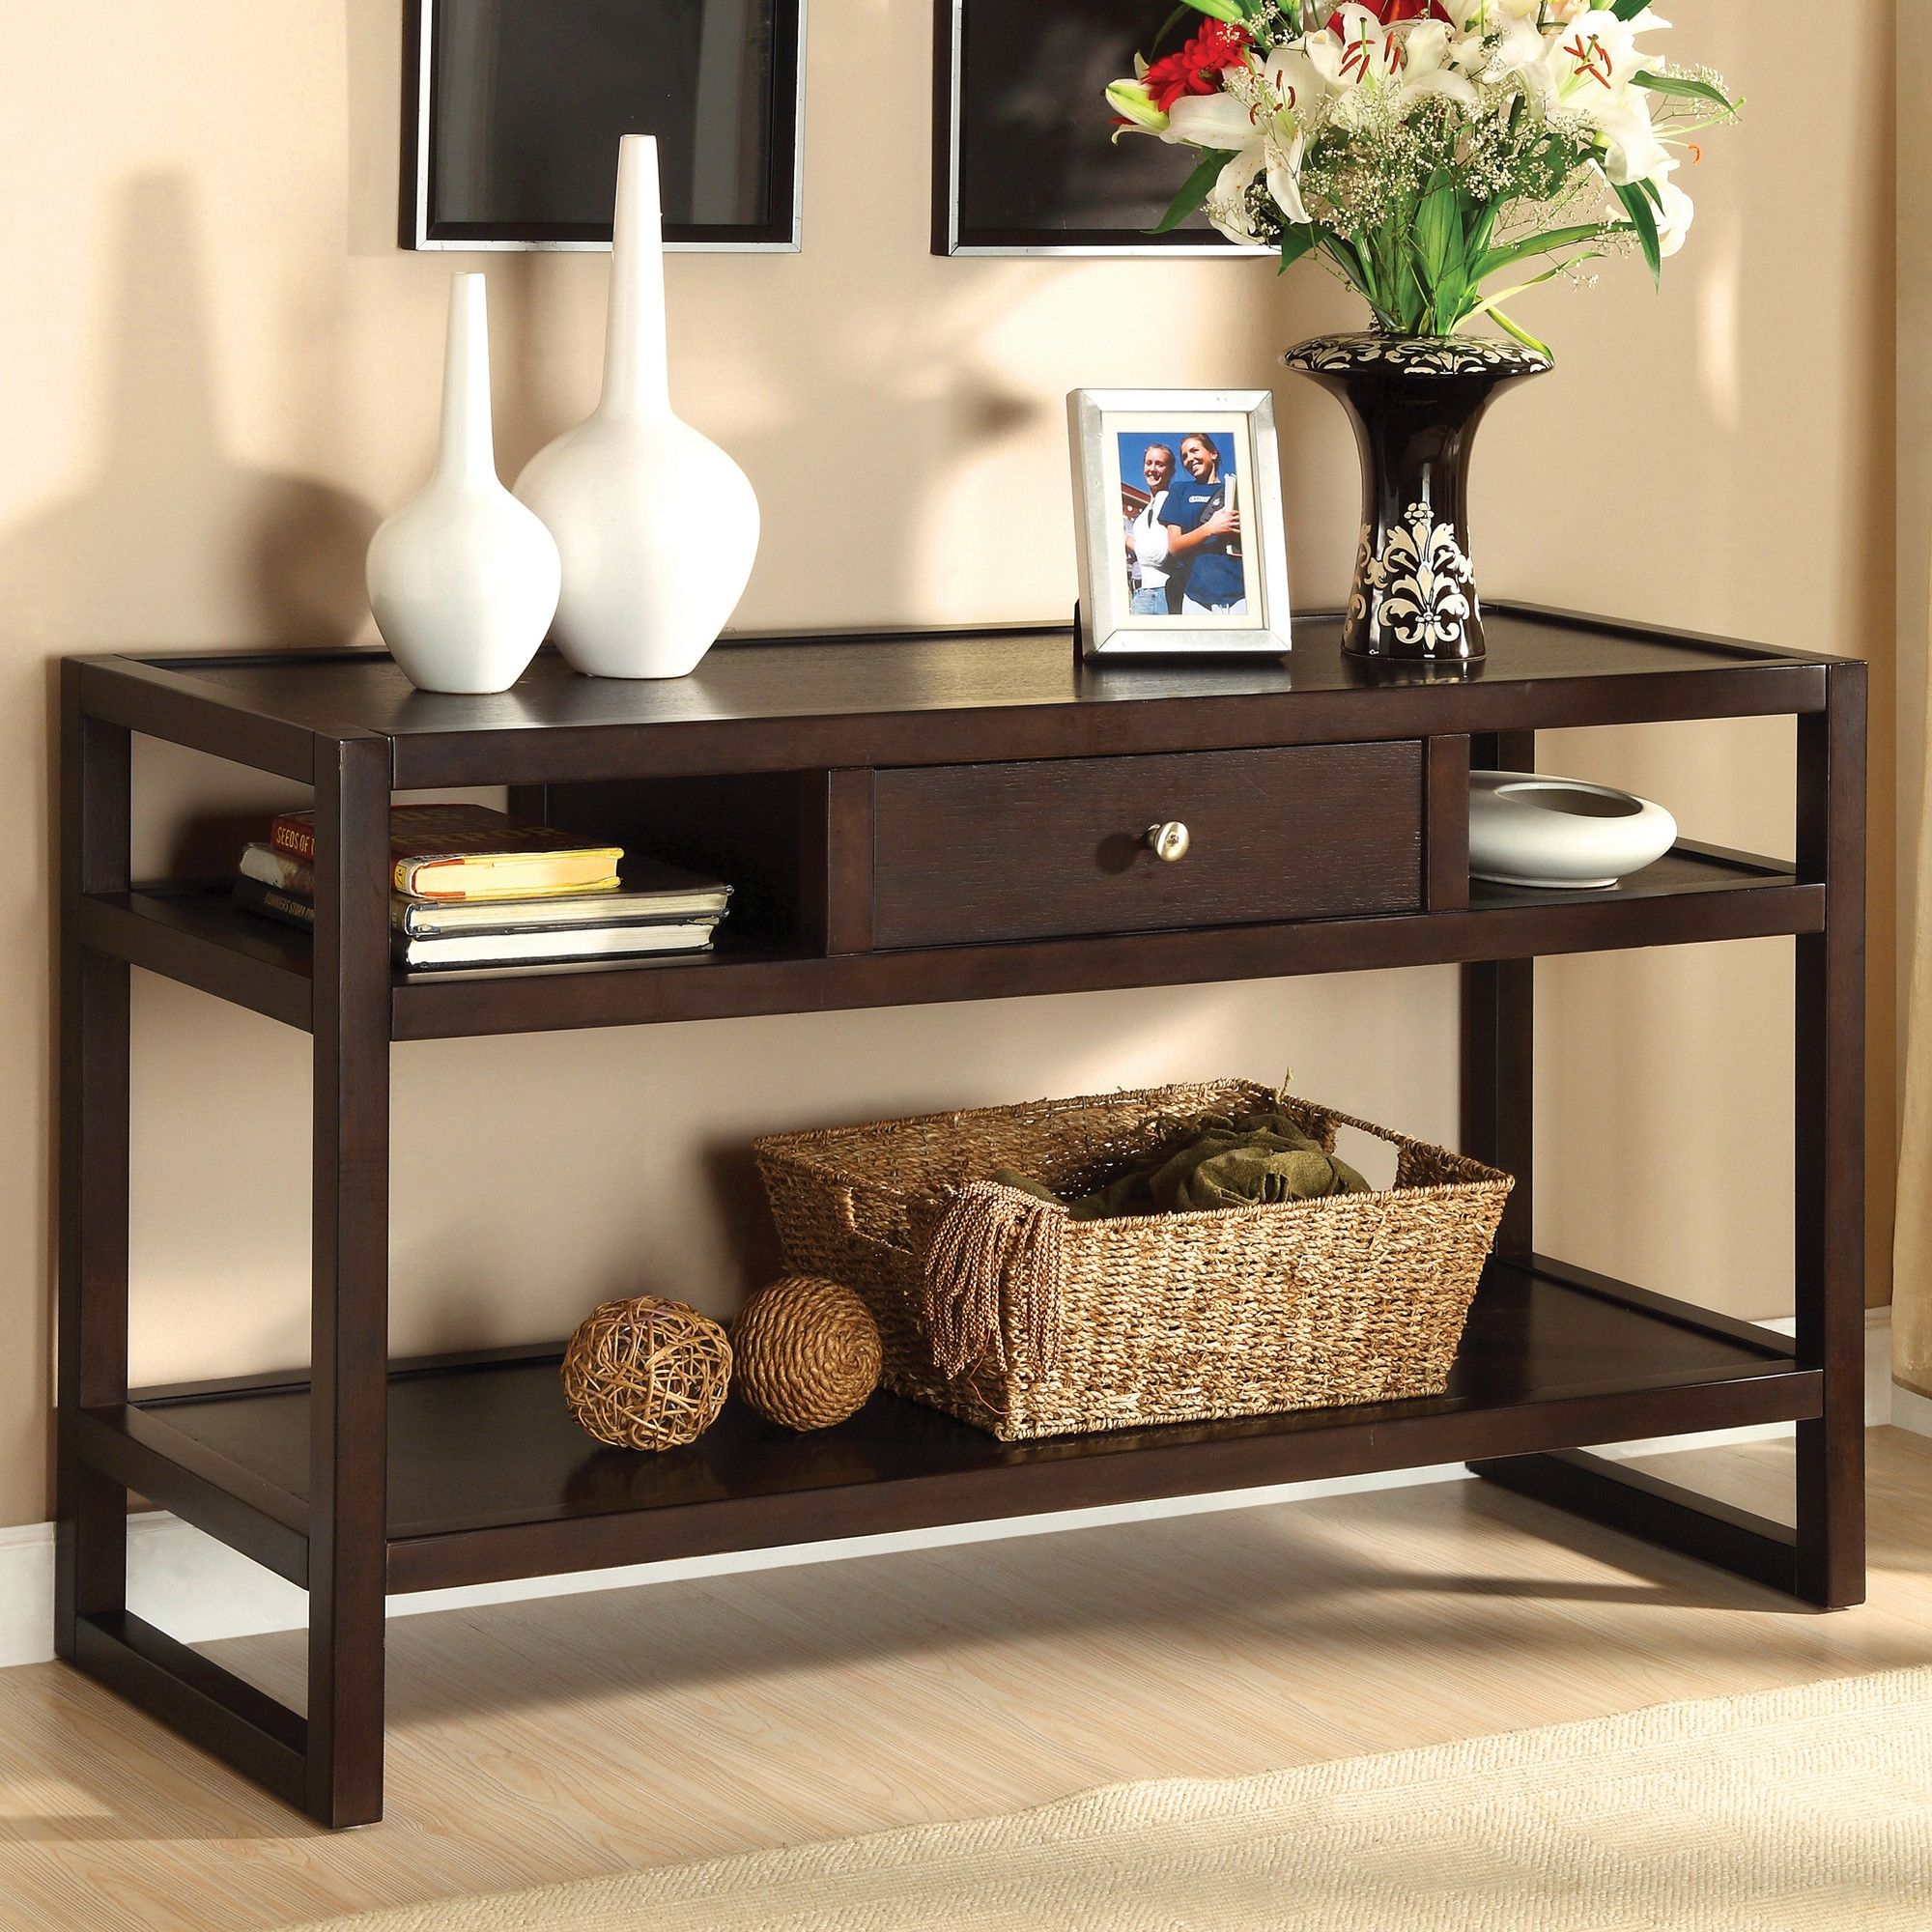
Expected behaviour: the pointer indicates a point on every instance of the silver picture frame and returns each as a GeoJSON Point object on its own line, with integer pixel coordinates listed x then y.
{"type": "Point", "coordinates": [1108, 626]}
{"type": "Point", "coordinates": [959, 230]}
{"type": "Point", "coordinates": [420, 229]}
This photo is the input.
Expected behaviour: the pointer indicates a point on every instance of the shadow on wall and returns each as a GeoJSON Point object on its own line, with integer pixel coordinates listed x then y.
{"type": "Point", "coordinates": [173, 540]}
{"type": "Point", "coordinates": [886, 448]}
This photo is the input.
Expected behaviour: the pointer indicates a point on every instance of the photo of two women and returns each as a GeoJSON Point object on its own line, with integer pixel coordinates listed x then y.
{"type": "Point", "coordinates": [1181, 514]}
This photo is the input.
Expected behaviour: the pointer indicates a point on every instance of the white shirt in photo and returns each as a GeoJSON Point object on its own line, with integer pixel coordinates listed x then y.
{"type": "Point", "coordinates": [1148, 535]}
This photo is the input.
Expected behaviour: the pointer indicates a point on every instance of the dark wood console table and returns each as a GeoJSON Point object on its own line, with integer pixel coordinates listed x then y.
{"type": "Point", "coordinates": [912, 819]}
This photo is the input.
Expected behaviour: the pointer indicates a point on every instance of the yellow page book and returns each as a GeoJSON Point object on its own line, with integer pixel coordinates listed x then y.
{"type": "Point", "coordinates": [462, 852]}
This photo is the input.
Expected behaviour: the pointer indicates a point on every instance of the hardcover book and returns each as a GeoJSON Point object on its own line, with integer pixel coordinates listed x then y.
{"type": "Point", "coordinates": [462, 852]}
{"type": "Point", "coordinates": [272, 902]}
{"type": "Point", "coordinates": [528, 948]}
{"type": "Point", "coordinates": [515, 948]}
{"type": "Point", "coordinates": [652, 893]}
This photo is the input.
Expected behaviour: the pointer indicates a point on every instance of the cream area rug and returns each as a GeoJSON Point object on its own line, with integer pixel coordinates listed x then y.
{"type": "Point", "coordinates": [1807, 1809]}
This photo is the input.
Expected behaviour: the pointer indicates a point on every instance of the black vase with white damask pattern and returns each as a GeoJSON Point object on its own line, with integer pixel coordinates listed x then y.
{"type": "Point", "coordinates": [1415, 401]}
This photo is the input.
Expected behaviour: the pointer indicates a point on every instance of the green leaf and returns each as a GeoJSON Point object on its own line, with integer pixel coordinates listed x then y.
{"type": "Point", "coordinates": [1349, 259]}
{"type": "Point", "coordinates": [1440, 255]}
{"type": "Point", "coordinates": [1193, 190]}
{"type": "Point", "coordinates": [1490, 306]}
{"type": "Point", "coordinates": [1523, 335]}
{"type": "Point", "coordinates": [1485, 227]}
{"type": "Point", "coordinates": [1439, 231]}
{"type": "Point", "coordinates": [1172, 21]}
{"type": "Point", "coordinates": [1643, 219]}
{"type": "Point", "coordinates": [1627, 10]}
{"type": "Point", "coordinates": [1296, 241]}
{"type": "Point", "coordinates": [1231, 10]}
{"type": "Point", "coordinates": [1544, 244]}
{"type": "Point", "coordinates": [1687, 87]}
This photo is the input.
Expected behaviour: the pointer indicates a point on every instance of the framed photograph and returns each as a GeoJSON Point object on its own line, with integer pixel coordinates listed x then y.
{"type": "Point", "coordinates": [1177, 503]}
{"type": "Point", "coordinates": [1023, 161]}
{"type": "Point", "coordinates": [513, 110]}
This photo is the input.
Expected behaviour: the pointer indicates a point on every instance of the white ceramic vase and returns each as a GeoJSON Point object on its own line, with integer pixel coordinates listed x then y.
{"type": "Point", "coordinates": [658, 526]}
{"type": "Point", "coordinates": [463, 579]}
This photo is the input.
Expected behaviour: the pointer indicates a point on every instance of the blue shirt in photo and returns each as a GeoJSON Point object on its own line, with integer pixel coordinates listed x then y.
{"type": "Point", "coordinates": [1212, 577]}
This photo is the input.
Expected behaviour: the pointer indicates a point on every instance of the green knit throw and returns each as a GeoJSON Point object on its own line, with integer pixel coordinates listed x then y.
{"type": "Point", "coordinates": [1258, 1158]}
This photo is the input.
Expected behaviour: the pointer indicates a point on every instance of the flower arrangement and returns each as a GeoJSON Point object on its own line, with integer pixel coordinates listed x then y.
{"type": "Point", "coordinates": [1425, 147]}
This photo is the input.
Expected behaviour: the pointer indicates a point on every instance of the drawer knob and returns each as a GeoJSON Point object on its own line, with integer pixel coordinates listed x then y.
{"type": "Point", "coordinates": [1169, 842]}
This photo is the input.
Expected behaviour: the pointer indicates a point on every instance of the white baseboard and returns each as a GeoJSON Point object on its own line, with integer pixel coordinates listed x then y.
{"type": "Point", "coordinates": [1911, 1410]}
{"type": "Point", "coordinates": [200, 1591]}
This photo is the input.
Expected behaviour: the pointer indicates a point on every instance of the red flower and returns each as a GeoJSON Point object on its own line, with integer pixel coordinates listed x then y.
{"type": "Point", "coordinates": [1198, 66]}
{"type": "Point", "coordinates": [1393, 14]}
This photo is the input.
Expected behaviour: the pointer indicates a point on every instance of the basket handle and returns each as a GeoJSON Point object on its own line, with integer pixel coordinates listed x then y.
{"type": "Point", "coordinates": [995, 1253]}
{"type": "Point", "coordinates": [873, 1217]}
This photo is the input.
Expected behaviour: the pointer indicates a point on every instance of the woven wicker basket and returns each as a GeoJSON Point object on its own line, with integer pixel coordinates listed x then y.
{"type": "Point", "coordinates": [1005, 1311]}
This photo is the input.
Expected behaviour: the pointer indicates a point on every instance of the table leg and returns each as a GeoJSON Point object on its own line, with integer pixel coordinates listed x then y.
{"type": "Point", "coordinates": [91, 1534]}
{"type": "Point", "coordinates": [1831, 1152]}
{"type": "Point", "coordinates": [349, 1394]}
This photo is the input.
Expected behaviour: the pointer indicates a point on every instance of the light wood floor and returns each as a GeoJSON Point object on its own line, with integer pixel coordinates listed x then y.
{"type": "Point", "coordinates": [576, 1735]}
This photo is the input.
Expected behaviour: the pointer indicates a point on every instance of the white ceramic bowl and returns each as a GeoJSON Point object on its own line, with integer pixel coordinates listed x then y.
{"type": "Point", "coordinates": [1526, 829]}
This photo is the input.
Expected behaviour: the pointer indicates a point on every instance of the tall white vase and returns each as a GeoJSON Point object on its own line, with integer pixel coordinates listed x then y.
{"type": "Point", "coordinates": [463, 579]}
{"type": "Point", "coordinates": [658, 526]}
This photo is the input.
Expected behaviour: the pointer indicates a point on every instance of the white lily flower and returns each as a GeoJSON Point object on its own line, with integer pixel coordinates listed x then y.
{"type": "Point", "coordinates": [1354, 50]}
{"type": "Point", "coordinates": [1284, 180]}
{"type": "Point", "coordinates": [1427, 68]}
{"type": "Point", "coordinates": [1228, 205]}
{"type": "Point", "coordinates": [1630, 149]}
{"type": "Point", "coordinates": [1134, 104]}
{"type": "Point", "coordinates": [1588, 66]}
{"type": "Point", "coordinates": [1362, 56]}
{"type": "Point", "coordinates": [1521, 51]}
{"type": "Point", "coordinates": [1211, 121]}
{"type": "Point", "coordinates": [1293, 80]}
{"type": "Point", "coordinates": [1674, 217]}
{"type": "Point", "coordinates": [1260, 143]}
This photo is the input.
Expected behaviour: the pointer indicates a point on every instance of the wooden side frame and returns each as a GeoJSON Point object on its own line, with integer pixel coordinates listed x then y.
{"type": "Point", "coordinates": [1823, 1560]}
{"type": "Point", "coordinates": [330, 1762]}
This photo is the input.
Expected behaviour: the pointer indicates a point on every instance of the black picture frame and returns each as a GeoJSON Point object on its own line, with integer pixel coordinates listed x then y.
{"type": "Point", "coordinates": [423, 224]}
{"type": "Point", "coordinates": [1021, 163]}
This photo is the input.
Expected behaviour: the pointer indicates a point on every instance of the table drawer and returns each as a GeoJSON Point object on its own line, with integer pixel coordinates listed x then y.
{"type": "Point", "coordinates": [965, 853]}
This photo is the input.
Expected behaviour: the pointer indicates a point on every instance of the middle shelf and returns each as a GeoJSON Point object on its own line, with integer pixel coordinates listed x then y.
{"type": "Point", "coordinates": [193, 933]}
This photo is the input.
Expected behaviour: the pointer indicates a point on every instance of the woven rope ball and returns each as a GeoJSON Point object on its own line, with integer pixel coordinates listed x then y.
{"type": "Point", "coordinates": [646, 1374]}
{"type": "Point", "coordinates": [807, 1351]}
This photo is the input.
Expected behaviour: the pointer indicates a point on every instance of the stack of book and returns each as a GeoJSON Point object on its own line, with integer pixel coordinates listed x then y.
{"type": "Point", "coordinates": [471, 887]}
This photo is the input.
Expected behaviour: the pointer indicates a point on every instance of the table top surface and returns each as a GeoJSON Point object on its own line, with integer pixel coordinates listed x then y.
{"type": "Point", "coordinates": [770, 680]}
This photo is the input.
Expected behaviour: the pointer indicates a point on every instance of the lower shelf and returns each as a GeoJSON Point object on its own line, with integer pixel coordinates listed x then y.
{"type": "Point", "coordinates": [491, 1479]}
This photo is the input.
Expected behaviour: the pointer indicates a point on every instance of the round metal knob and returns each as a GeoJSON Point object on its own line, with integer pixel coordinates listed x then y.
{"type": "Point", "coordinates": [1169, 842]}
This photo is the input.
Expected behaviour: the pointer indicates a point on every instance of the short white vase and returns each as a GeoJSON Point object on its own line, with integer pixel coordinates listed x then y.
{"type": "Point", "coordinates": [463, 579]}
{"type": "Point", "coordinates": [658, 526]}
{"type": "Point", "coordinates": [1528, 829]}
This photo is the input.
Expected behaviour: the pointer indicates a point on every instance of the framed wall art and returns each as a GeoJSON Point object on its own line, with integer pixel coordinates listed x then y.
{"type": "Point", "coordinates": [1023, 163]}
{"type": "Point", "coordinates": [1177, 497]}
{"type": "Point", "coordinates": [513, 110]}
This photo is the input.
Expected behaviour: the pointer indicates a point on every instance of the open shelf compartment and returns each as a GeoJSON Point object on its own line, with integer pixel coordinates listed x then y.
{"type": "Point", "coordinates": [193, 934]}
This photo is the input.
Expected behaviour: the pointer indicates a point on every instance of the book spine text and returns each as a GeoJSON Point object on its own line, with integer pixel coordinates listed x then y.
{"type": "Point", "coordinates": [295, 836]}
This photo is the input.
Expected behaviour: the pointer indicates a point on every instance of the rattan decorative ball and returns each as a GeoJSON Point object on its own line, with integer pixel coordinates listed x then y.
{"type": "Point", "coordinates": [646, 1374]}
{"type": "Point", "coordinates": [807, 1352]}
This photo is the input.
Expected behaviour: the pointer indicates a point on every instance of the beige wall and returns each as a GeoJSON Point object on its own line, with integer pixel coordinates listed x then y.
{"type": "Point", "coordinates": [219, 372]}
